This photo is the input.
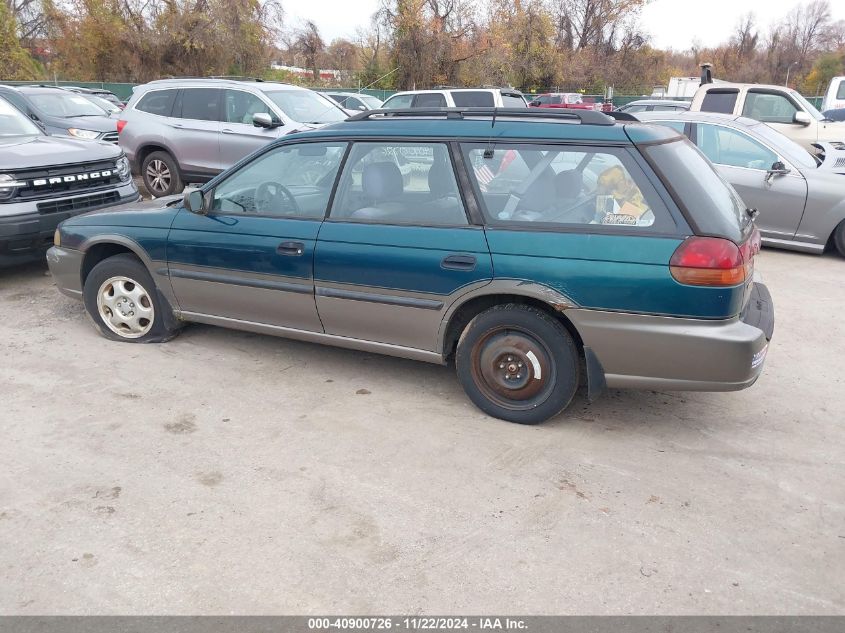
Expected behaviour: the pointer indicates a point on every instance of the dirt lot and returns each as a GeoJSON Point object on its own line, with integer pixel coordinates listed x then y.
{"type": "Point", "coordinates": [233, 473]}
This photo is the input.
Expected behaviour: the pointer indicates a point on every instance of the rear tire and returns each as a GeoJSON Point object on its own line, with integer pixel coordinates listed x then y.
{"type": "Point", "coordinates": [839, 238]}
{"type": "Point", "coordinates": [518, 363]}
{"type": "Point", "coordinates": [121, 298]}
{"type": "Point", "coordinates": [161, 175]}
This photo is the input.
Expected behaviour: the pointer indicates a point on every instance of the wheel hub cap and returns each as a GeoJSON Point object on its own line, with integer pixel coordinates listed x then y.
{"type": "Point", "coordinates": [125, 307]}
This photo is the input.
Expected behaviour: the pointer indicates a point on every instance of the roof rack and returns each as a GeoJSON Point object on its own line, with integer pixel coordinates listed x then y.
{"type": "Point", "coordinates": [226, 77]}
{"type": "Point", "coordinates": [585, 117]}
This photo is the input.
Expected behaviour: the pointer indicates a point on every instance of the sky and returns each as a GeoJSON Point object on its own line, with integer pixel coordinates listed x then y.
{"type": "Point", "coordinates": [671, 23]}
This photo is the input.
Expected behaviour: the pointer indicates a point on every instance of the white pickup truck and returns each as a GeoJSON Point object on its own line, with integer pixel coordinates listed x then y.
{"type": "Point", "coordinates": [782, 108]}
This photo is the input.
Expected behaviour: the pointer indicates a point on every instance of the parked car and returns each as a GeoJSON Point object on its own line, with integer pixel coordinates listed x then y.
{"type": "Point", "coordinates": [107, 106]}
{"type": "Point", "coordinates": [101, 93]}
{"type": "Point", "coordinates": [176, 131]}
{"type": "Point", "coordinates": [570, 100]}
{"type": "Point", "coordinates": [46, 179]}
{"type": "Point", "coordinates": [835, 115]}
{"type": "Point", "coordinates": [571, 242]}
{"type": "Point", "coordinates": [800, 197]}
{"type": "Point", "coordinates": [654, 105]}
{"type": "Point", "coordinates": [60, 112]}
{"type": "Point", "coordinates": [834, 98]}
{"type": "Point", "coordinates": [354, 100]}
{"type": "Point", "coordinates": [457, 97]}
{"type": "Point", "coordinates": [783, 109]}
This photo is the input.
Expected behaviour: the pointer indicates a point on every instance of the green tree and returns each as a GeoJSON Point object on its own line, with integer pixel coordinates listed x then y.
{"type": "Point", "coordinates": [15, 62]}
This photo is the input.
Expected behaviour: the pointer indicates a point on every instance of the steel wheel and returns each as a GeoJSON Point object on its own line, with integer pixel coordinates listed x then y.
{"type": "Point", "coordinates": [125, 307]}
{"type": "Point", "coordinates": [513, 368]}
{"type": "Point", "coordinates": [158, 176]}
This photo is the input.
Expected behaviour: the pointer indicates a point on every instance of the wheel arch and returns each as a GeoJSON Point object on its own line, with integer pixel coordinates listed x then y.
{"type": "Point", "coordinates": [541, 297]}
{"type": "Point", "coordinates": [154, 146]}
{"type": "Point", "coordinates": [105, 246]}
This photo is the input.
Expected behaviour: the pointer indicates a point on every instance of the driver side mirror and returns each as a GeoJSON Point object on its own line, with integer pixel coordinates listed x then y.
{"type": "Point", "coordinates": [194, 202]}
{"type": "Point", "coordinates": [534, 104]}
{"type": "Point", "coordinates": [777, 169]}
{"type": "Point", "coordinates": [801, 118]}
{"type": "Point", "coordinates": [265, 120]}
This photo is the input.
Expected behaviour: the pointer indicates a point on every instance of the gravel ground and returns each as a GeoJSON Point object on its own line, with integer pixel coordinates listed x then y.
{"type": "Point", "coordinates": [226, 472]}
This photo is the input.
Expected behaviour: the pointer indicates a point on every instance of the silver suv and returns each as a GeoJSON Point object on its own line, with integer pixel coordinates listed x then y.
{"type": "Point", "coordinates": [176, 131]}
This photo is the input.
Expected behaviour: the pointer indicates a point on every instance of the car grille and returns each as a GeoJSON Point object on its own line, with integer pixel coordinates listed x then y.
{"type": "Point", "coordinates": [31, 191]}
{"type": "Point", "coordinates": [110, 137]}
{"type": "Point", "coordinates": [840, 162]}
{"type": "Point", "coordinates": [78, 204]}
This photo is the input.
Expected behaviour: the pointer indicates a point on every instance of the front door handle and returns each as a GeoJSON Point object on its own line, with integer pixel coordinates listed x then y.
{"type": "Point", "coordinates": [458, 262]}
{"type": "Point", "coordinates": [228, 131]}
{"type": "Point", "coordinates": [294, 249]}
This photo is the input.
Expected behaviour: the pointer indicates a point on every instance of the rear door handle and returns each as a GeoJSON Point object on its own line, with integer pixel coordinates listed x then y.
{"type": "Point", "coordinates": [293, 249]}
{"type": "Point", "coordinates": [458, 262]}
{"type": "Point", "coordinates": [228, 131]}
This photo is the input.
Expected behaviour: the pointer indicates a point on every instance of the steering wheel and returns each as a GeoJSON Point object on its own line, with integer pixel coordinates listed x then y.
{"type": "Point", "coordinates": [267, 194]}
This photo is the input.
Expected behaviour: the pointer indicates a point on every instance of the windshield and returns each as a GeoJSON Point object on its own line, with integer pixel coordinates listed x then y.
{"type": "Point", "coordinates": [65, 104]}
{"type": "Point", "coordinates": [784, 146]}
{"type": "Point", "coordinates": [304, 106]}
{"type": "Point", "coordinates": [809, 107]}
{"type": "Point", "coordinates": [14, 123]}
{"type": "Point", "coordinates": [107, 106]}
{"type": "Point", "coordinates": [373, 102]}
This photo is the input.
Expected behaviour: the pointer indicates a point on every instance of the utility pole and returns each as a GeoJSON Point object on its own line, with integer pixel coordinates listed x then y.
{"type": "Point", "coordinates": [788, 68]}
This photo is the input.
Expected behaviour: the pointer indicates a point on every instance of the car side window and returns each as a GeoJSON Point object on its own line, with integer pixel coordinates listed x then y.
{"type": "Point", "coordinates": [201, 104]}
{"type": "Point", "coordinates": [352, 103]}
{"type": "Point", "coordinates": [430, 100]}
{"type": "Point", "coordinates": [399, 101]}
{"type": "Point", "coordinates": [512, 101]}
{"type": "Point", "coordinates": [726, 146]}
{"type": "Point", "coordinates": [719, 101]}
{"type": "Point", "coordinates": [158, 102]}
{"type": "Point", "coordinates": [240, 106]}
{"type": "Point", "coordinates": [474, 99]}
{"type": "Point", "coordinates": [399, 183]}
{"type": "Point", "coordinates": [292, 180]}
{"type": "Point", "coordinates": [542, 185]}
{"type": "Point", "coordinates": [768, 107]}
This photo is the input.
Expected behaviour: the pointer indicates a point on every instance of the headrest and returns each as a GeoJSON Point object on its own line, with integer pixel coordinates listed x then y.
{"type": "Point", "coordinates": [569, 184]}
{"type": "Point", "coordinates": [440, 182]}
{"type": "Point", "coordinates": [381, 181]}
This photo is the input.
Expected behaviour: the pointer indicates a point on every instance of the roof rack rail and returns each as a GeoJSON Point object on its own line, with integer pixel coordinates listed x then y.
{"type": "Point", "coordinates": [585, 117]}
{"type": "Point", "coordinates": [622, 116]}
{"type": "Point", "coordinates": [227, 77]}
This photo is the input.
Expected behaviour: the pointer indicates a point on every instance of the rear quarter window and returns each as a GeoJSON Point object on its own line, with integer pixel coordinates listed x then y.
{"type": "Point", "coordinates": [476, 99]}
{"type": "Point", "coordinates": [158, 102]}
{"type": "Point", "coordinates": [719, 101]}
{"type": "Point", "coordinates": [713, 207]}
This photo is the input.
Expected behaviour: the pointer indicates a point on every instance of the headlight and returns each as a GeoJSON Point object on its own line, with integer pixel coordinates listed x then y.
{"type": "Point", "coordinates": [57, 238]}
{"type": "Point", "coordinates": [8, 184]}
{"type": "Point", "coordinates": [122, 168]}
{"type": "Point", "coordinates": [88, 134]}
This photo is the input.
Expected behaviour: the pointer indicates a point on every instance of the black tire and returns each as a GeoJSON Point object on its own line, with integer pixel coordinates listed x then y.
{"type": "Point", "coordinates": [839, 238]}
{"type": "Point", "coordinates": [496, 369]}
{"type": "Point", "coordinates": [168, 181]}
{"type": "Point", "coordinates": [129, 301]}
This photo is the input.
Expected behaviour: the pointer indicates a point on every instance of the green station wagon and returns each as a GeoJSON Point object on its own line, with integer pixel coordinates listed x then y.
{"type": "Point", "coordinates": [539, 251]}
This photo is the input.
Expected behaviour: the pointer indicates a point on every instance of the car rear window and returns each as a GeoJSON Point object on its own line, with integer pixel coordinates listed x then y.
{"type": "Point", "coordinates": [158, 102]}
{"type": "Point", "coordinates": [719, 101]}
{"type": "Point", "coordinates": [476, 98]}
{"type": "Point", "coordinates": [546, 186]}
{"type": "Point", "coordinates": [429, 100]}
{"type": "Point", "coordinates": [713, 206]}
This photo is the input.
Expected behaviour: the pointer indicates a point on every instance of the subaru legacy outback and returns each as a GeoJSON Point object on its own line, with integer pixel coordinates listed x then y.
{"type": "Point", "coordinates": [539, 251]}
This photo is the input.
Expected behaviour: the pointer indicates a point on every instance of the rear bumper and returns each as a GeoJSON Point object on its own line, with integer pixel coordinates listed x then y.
{"type": "Point", "coordinates": [665, 353]}
{"type": "Point", "coordinates": [25, 233]}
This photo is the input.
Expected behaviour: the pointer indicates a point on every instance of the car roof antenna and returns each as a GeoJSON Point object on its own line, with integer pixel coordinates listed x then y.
{"type": "Point", "coordinates": [488, 151]}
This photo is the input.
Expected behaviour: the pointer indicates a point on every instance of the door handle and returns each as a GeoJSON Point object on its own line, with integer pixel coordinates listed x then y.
{"type": "Point", "coordinates": [228, 131]}
{"type": "Point", "coordinates": [292, 249]}
{"type": "Point", "coordinates": [458, 262]}
{"type": "Point", "coordinates": [177, 125]}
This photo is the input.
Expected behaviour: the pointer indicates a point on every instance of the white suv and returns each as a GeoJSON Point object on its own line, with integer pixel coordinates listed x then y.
{"type": "Point", "coordinates": [457, 98]}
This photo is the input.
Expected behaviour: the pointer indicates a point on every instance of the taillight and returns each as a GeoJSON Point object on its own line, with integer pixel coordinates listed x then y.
{"type": "Point", "coordinates": [120, 125]}
{"type": "Point", "coordinates": [708, 261]}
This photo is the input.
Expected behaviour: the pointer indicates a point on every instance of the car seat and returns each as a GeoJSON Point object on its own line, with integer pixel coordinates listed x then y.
{"type": "Point", "coordinates": [381, 187]}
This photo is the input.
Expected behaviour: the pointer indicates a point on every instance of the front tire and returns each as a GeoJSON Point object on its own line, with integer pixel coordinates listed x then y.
{"type": "Point", "coordinates": [161, 175]}
{"type": "Point", "coordinates": [839, 238]}
{"type": "Point", "coordinates": [518, 363]}
{"type": "Point", "coordinates": [124, 303]}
